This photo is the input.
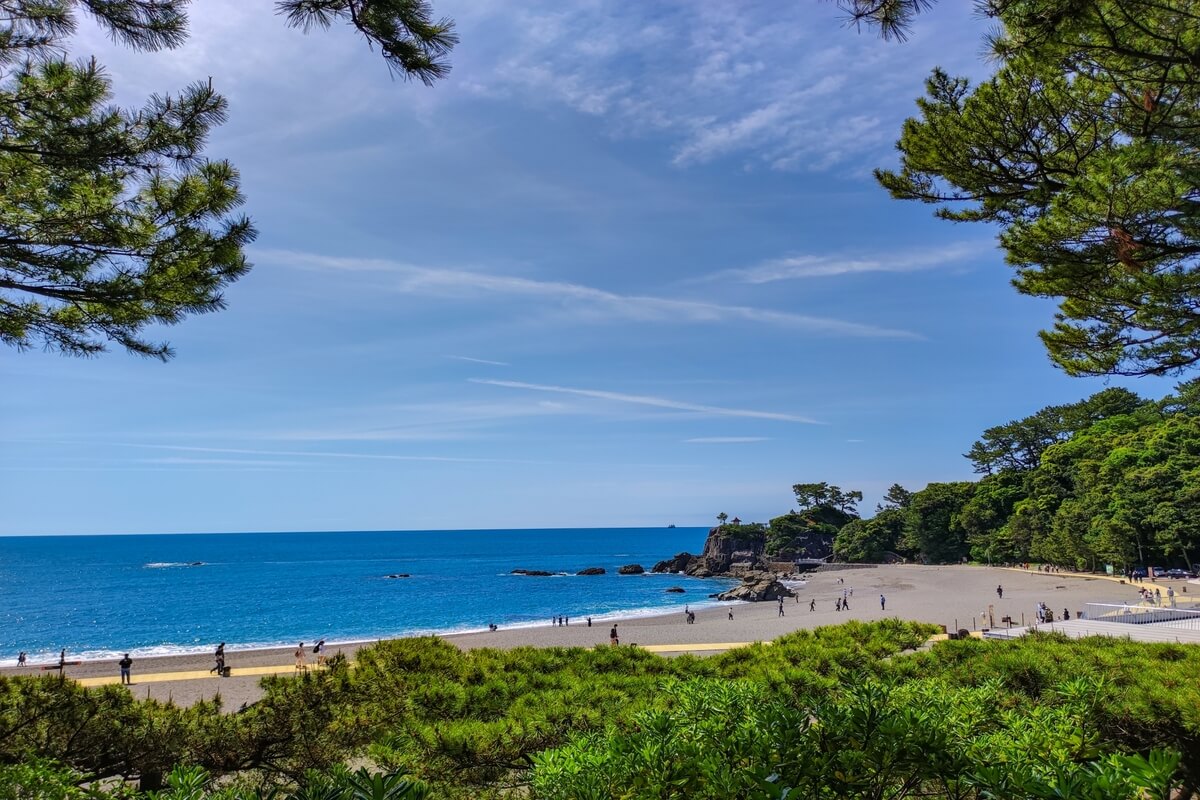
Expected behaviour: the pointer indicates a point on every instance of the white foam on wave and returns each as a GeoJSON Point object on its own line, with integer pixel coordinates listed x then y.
{"type": "Point", "coordinates": [38, 659]}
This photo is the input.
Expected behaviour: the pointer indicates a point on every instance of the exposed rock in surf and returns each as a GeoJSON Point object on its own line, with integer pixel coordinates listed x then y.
{"type": "Point", "coordinates": [631, 569]}
{"type": "Point", "coordinates": [591, 571]}
{"type": "Point", "coordinates": [675, 590]}
{"type": "Point", "coordinates": [679, 563]}
{"type": "Point", "coordinates": [757, 587]}
{"type": "Point", "coordinates": [533, 573]}
{"type": "Point", "coordinates": [398, 575]}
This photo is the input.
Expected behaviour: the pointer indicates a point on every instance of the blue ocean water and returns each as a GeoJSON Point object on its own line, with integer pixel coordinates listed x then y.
{"type": "Point", "coordinates": [100, 595]}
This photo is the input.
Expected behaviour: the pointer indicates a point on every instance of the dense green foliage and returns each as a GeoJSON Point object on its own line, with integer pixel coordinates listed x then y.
{"type": "Point", "coordinates": [1111, 480]}
{"type": "Point", "coordinates": [112, 220]}
{"type": "Point", "coordinates": [832, 712]}
{"type": "Point", "coordinates": [1083, 147]}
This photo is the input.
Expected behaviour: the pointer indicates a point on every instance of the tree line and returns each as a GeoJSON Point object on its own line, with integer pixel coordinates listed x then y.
{"type": "Point", "coordinates": [1111, 480]}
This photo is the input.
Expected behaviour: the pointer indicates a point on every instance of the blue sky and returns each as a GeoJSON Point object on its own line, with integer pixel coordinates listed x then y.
{"type": "Point", "coordinates": [626, 266]}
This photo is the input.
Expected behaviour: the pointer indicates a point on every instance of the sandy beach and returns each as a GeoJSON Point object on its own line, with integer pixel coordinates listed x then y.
{"type": "Point", "coordinates": [944, 595]}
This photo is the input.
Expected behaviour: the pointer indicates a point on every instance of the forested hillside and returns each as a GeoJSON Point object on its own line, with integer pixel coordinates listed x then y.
{"type": "Point", "coordinates": [1113, 479]}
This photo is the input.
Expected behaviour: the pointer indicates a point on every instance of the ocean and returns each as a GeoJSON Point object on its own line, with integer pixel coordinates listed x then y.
{"type": "Point", "coordinates": [98, 596]}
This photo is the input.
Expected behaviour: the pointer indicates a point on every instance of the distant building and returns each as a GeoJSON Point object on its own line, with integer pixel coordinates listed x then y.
{"type": "Point", "coordinates": [735, 521]}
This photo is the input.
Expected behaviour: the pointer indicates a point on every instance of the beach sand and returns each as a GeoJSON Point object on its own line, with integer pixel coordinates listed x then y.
{"type": "Point", "coordinates": [944, 595]}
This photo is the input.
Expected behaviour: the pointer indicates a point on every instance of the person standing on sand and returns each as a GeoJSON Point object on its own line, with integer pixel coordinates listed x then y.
{"type": "Point", "coordinates": [320, 651]}
{"type": "Point", "coordinates": [125, 664]}
{"type": "Point", "coordinates": [812, 604]}
{"type": "Point", "coordinates": [612, 636]}
{"type": "Point", "coordinates": [1000, 591]}
{"type": "Point", "coordinates": [781, 606]}
{"type": "Point", "coordinates": [589, 622]}
{"type": "Point", "coordinates": [882, 603]}
{"type": "Point", "coordinates": [731, 613]}
{"type": "Point", "coordinates": [300, 665]}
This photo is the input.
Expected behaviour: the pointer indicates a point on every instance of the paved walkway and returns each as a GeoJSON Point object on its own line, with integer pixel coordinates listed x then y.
{"type": "Point", "coordinates": [1079, 628]}
{"type": "Point", "coordinates": [164, 677]}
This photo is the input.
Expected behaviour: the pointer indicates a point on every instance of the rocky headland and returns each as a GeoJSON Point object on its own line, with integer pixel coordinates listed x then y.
{"type": "Point", "coordinates": [756, 554]}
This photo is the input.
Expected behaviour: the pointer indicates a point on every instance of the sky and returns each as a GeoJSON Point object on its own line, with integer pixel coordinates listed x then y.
{"type": "Point", "coordinates": [626, 266]}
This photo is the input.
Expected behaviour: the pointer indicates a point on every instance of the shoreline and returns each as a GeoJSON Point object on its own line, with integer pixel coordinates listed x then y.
{"type": "Point", "coordinates": [48, 660]}
{"type": "Point", "coordinates": [954, 596]}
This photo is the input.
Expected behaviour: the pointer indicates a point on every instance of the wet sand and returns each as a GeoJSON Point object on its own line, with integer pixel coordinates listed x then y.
{"type": "Point", "coordinates": [946, 595]}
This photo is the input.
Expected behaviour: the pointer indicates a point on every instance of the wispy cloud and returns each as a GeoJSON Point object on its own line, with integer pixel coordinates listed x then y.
{"type": "Point", "coordinates": [759, 82]}
{"type": "Point", "coordinates": [313, 454]}
{"type": "Point", "coordinates": [584, 301]}
{"type": "Point", "coordinates": [798, 267]}
{"type": "Point", "coordinates": [727, 439]}
{"type": "Point", "coordinates": [481, 361]}
{"type": "Point", "coordinates": [647, 400]}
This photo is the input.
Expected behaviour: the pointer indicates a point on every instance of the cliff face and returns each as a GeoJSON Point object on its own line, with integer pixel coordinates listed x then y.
{"type": "Point", "coordinates": [725, 546]}
{"type": "Point", "coordinates": [811, 544]}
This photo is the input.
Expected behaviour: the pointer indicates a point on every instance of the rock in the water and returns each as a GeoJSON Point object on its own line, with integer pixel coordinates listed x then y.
{"type": "Point", "coordinates": [399, 575]}
{"type": "Point", "coordinates": [533, 573]}
{"type": "Point", "coordinates": [757, 587]}
{"type": "Point", "coordinates": [631, 569]}
{"type": "Point", "coordinates": [676, 590]}
{"type": "Point", "coordinates": [680, 563]}
{"type": "Point", "coordinates": [591, 571]}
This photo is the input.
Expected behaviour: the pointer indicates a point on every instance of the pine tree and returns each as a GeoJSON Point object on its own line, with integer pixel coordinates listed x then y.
{"type": "Point", "coordinates": [112, 220]}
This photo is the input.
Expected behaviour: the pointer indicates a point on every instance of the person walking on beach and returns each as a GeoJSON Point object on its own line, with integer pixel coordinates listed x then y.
{"type": "Point", "coordinates": [21, 659]}
{"type": "Point", "coordinates": [781, 606]}
{"type": "Point", "coordinates": [999, 591]}
{"type": "Point", "coordinates": [812, 604]}
{"type": "Point", "coordinates": [1171, 596]}
{"type": "Point", "coordinates": [882, 603]}
{"type": "Point", "coordinates": [612, 636]}
{"type": "Point", "coordinates": [319, 649]}
{"type": "Point", "coordinates": [300, 665]}
{"type": "Point", "coordinates": [838, 604]}
{"type": "Point", "coordinates": [731, 613]}
{"type": "Point", "coordinates": [125, 664]}
{"type": "Point", "coordinates": [219, 657]}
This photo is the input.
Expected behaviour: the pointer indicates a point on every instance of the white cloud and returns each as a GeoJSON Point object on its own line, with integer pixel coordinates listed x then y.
{"type": "Point", "coordinates": [796, 267]}
{"type": "Point", "coordinates": [647, 400]}
{"type": "Point", "coordinates": [584, 301]}
{"type": "Point", "coordinates": [775, 86]}
{"type": "Point", "coordinates": [313, 454]}
{"type": "Point", "coordinates": [726, 439]}
{"type": "Point", "coordinates": [481, 361]}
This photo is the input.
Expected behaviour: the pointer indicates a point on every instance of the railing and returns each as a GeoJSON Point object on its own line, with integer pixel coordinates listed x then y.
{"type": "Point", "coordinates": [1166, 616]}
